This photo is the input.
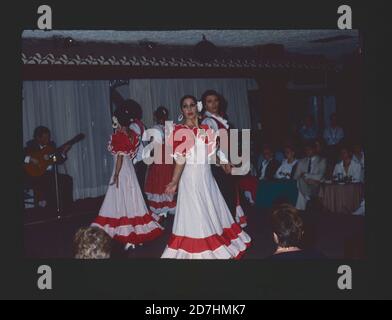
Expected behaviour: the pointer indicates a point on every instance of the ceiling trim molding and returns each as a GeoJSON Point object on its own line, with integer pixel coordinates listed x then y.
{"type": "Point", "coordinates": [173, 62]}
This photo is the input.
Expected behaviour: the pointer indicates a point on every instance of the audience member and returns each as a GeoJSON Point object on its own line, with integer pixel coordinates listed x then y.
{"type": "Point", "coordinates": [287, 168]}
{"type": "Point", "coordinates": [288, 233]}
{"type": "Point", "coordinates": [309, 173]}
{"type": "Point", "coordinates": [347, 169]}
{"type": "Point", "coordinates": [268, 165]}
{"type": "Point", "coordinates": [92, 243]}
{"type": "Point", "coordinates": [308, 131]}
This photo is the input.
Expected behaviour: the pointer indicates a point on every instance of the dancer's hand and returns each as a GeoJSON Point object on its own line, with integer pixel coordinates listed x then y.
{"type": "Point", "coordinates": [171, 187]}
{"type": "Point", "coordinates": [115, 180]}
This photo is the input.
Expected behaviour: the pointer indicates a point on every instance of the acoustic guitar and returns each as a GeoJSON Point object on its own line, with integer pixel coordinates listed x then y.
{"type": "Point", "coordinates": [46, 157]}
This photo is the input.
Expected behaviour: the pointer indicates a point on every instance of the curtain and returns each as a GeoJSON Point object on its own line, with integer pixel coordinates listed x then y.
{"type": "Point", "coordinates": [71, 107]}
{"type": "Point", "coordinates": [152, 93]}
{"type": "Point", "coordinates": [68, 108]}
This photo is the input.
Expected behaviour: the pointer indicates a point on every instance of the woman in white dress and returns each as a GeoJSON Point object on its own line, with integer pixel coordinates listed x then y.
{"type": "Point", "coordinates": [347, 168]}
{"type": "Point", "coordinates": [203, 226]}
{"type": "Point", "coordinates": [124, 215]}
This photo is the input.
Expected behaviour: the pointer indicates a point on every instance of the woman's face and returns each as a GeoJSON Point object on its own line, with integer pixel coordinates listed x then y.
{"type": "Point", "coordinates": [212, 104]}
{"type": "Point", "coordinates": [189, 109]}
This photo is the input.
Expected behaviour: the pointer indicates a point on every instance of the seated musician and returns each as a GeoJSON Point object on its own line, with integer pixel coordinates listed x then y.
{"type": "Point", "coordinates": [44, 185]}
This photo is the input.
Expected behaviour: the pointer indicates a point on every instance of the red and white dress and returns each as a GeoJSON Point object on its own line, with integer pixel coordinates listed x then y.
{"type": "Point", "coordinates": [203, 225]}
{"type": "Point", "coordinates": [124, 215]}
{"type": "Point", "coordinates": [158, 177]}
{"type": "Point", "coordinates": [217, 123]}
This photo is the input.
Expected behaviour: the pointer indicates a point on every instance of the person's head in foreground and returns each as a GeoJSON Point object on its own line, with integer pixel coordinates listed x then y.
{"type": "Point", "coordinates": [92, 243]}
{"type": "Point", "coordinates": [287, 227]}
{"type": "Point", "coordinates": [288, 233]}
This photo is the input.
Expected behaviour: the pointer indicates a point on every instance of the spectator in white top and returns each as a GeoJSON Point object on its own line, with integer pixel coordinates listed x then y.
{"type": "Point", "coordinates": [347, 168]}
{"type": "Point", "coordinates": [287, 168]}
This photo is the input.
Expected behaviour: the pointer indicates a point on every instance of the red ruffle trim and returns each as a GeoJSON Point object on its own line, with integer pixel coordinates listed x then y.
{"type": "Point", "coordinates": [139, 238]}
{"type": "Point", "coordinates": [125, 221]}
{"type": "Point", "coordinates": [241, 254]}
{"type": "Point", "coordinates": [163, 204]}
{"type": "Point", "coordinates": [194, 245]}
{"type": "Point", "coordinates": [243, 220]}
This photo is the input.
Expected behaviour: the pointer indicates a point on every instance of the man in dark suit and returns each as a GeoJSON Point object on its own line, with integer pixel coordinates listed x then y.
{"type": "Point", "coordinates": [45, 186]}
{"type": "Point", "coordinates": [268, 165]}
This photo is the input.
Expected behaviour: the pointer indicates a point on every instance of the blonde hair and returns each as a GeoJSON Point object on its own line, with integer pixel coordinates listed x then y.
{"type": "Point", "coordinates": [92, 243]}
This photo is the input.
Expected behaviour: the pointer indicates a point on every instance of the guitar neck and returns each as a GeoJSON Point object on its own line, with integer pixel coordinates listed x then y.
{"type": "Point", "coordinates": [72, 141]}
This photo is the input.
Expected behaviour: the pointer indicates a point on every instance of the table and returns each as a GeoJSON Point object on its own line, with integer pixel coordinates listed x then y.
{"type": "Point", "coordinates": [342, 198]}
{"type": "Point", "coordinates": [270, 191]}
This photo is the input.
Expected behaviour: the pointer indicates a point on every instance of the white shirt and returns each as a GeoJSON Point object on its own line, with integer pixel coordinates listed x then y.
{"type": "Point", "coordinates": [285, 169]}
{"type": "Point", "coordinates": [354, 171]}
{"type": "Point", "coordinates": [139, 153]}
{"type": "Point", "coordinates": [214, 126]}
{"type": "Point", "coordinates": [333, 136]}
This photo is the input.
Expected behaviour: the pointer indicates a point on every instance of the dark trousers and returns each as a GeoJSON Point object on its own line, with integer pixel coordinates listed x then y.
{"type": "Point", "coordinates": [45, 186]}
{"type": "Point", "coordinates": [227, 186]}
{"type": "Point", "coordinates": [141, 170]}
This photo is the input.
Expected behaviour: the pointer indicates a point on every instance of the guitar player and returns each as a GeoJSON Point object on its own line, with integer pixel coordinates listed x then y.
{"type": "Point", "coordinates": [44, 186]}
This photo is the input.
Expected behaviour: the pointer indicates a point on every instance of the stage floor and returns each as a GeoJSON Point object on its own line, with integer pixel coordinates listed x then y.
{"type": "Point", "coordinates": [46, 236]}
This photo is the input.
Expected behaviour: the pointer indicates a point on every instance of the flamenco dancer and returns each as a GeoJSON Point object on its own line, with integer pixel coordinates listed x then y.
{"type": "Point", "coordinates": [160, 174]}
{"type": "Point", "coordinates": [203, 225]}
{"type": "Point", "coordinates": [228, 184]}
{"type": "Point", "coordinates": [124, 215]}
